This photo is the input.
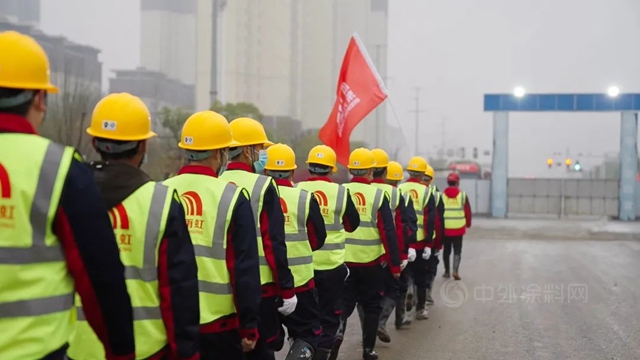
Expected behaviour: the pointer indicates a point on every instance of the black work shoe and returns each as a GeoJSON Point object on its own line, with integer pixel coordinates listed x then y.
{"type": "Point", "coordinates": [368, 354]}
{"type": "Point", "coordinates": [446, 275]}
{"type": "Point", "coordinates": [383, 335]}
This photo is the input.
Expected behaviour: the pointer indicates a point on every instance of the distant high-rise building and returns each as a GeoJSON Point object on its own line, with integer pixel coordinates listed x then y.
{"type": "Point", "coordinates": [26, 11]}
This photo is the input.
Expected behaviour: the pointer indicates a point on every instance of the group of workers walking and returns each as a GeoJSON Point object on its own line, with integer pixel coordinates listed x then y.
{"type": "Point", "coordinates": [101, 262]}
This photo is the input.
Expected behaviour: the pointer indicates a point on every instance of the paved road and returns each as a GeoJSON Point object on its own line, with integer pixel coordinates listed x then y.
{"type": "Point", "coordinates": [528, 299]}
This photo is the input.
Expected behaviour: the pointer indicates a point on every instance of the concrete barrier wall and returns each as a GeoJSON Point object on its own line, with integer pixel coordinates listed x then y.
{"type": "Point", "coordinates": [478, 191]}
{"type": "Point", "coordinates": [563, 197]}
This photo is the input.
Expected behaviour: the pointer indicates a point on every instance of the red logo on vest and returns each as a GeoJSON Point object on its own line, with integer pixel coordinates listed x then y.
{"type": "Point", "coordinates": [193, 209]}
{"type": "Point", "coordinates": [285, 210]}
{"type": "Point", "coordinates": [120, 224]}
{"type": "Point", "coordinates": [192, 203]}
{"type": "Point", "coordinates": [323, 201]}
{"type": "Point", "coordinates": [6, 210]}
{"type": "Point", "coordinates": [361, 202]}
{"type": "Point", "coordinates": [414, 195]}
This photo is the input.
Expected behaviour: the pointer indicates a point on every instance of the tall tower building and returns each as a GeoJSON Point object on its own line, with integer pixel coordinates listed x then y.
{"type": "Point", "coordinates": [26, 11]}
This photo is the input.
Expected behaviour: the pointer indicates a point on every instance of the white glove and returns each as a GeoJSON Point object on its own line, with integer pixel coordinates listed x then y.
{"type": "Point", "coordinates": [412, 255]}
{"type": "Point", "coordinates": [426, 253]}
{"type": "Point", "coordinates": [288, 305]}
{"type": "Point", "coordinates": [403, 264]}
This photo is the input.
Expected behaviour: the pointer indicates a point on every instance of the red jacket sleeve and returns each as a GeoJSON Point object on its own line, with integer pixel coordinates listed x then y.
{"type": "Point", "coordinates": [178, 284]}
{"type": "Point", "coordinates": [351, 217]}
{"type": "Point", "coordinates": [467, 211]}
{"type": "Point", "coordinates": [400, 232]}
{"type": "Point", "coordinates": [93, 259]}
{"type": "Point", "coordinates": [273, 242]}
{"type": "Point", "coordinates": [388, 236]}
{"type": "Point", "coordinates": [242, 263]}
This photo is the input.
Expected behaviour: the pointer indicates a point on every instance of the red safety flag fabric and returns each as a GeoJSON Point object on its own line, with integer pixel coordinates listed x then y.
{"type": "Point", "coordinates": [359, 91]}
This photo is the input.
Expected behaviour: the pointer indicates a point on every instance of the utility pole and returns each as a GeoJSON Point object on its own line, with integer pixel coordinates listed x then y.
{"type": "Point", "coordinates": [384, 79]}
{"type": "Point", "coordinates": [417, 111]}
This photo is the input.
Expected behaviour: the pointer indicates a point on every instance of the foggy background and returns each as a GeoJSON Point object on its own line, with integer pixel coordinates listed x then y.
{"type": "Point", "coordinates": [454, 51]}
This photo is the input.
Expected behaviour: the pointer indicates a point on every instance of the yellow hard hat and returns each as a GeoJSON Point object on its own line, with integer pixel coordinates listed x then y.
{"type": "Point", "coordinates": [247, 131]}
{"type": "Point", "coordinates": [121, 116]}
{"type": "Point", "coordinates": [280, 157]}
{"type": "Point", "coordinates": [361, 159]}
{"type": "Point", "coordinates": [206, 130]}
{"type": "Point", "coordinates": [323, 155]}
{"type": "Point", "coordinates": [381, 157]}
{"type": "Point", "coordinates": [394, 171]}
{"type": "Point", "coordinates": [429, 172]}
{"type": "Point", "coordinates": [23, 63]}
{"type": "Point", "coordinates": [417, 164]}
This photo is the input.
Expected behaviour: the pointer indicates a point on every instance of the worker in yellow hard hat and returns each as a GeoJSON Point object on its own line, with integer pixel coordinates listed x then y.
{"type": "Point", "coordinates": [397, 204]}
{"type": "Point", "coordinates": [55, 234]}
{"type": "Point", "coordinates": [155, 246]}
{"type": "Point", "coordinates": [340, 217]}
{"type": "Point", "coordinates": [436, 245]}
{"type": "Point", "coordinates": [425, 208]}
{"type": "Point", "coordinates": [248, 158]}
{"type": "Point", "coordinates": [305, 233]}
{"type": "Point", "coordinates": [373, 243]}
{"type": "Point", "coordinates": [228, 266]}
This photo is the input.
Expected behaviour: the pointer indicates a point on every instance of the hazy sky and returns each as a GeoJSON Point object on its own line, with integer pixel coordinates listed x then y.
{"type": "Point", "coordinates": [456, 51]}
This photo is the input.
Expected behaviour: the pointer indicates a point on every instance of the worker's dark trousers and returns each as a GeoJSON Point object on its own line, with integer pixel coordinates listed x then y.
{"type": "Point", "coordinates": [403, 287]}
{"type": "Point", "coordinates": [433, 263]}
{"type": "Point", "coordinates": [330, 287]}
{"type": "Point", "coordinates": [269, 329]}
{"type": "Point", "coordinates": [448, 241]}
{"type": "Point", "coordinates": [365, 285]}
{"type": "Point", "coordinates": [224, 345]}
{"type": "Point", "coordinates": [420, 272]}
{"type": "Point", "coordinates": [390, 298]}
{"type": "Point", "coordinates": [304, 322]}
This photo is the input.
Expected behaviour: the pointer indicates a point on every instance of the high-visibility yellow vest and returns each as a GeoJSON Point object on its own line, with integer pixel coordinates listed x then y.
{"type": "Point", "coordinates": [454, 211]}
{"type": "Point", "coordinates": [139, 224]}
{"type": "Point", "coordinates": [295, 206]}
{"type": "Point", "coordinates": [36, 289]}
{"type": "Point", "coordinates": [332, 199]}
{"type": "Point", "coordinates": [420, 196]}
{"type": "Point", "coordinates": [208, 205]}
{"type": "Point", "coordinates": [364, 245]}
{"type": "Point", "coordinates": [392, 193]}
{"type": "Point", "coordinates": [257, 186]}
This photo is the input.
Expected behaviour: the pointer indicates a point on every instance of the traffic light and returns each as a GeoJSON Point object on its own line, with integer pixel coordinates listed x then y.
{"type": "Point", "coordinates": [475, 152]}
{"type": "Point", "coordinates": [577, 166]}
{"type": "Point", "coordinates": [550, 163]}
{"type": "Point", "coordinates": [568, 162]}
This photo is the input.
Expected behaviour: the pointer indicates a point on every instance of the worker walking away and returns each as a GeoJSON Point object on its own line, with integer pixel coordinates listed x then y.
{"type": "Point", "coordinates": [409, 226]}
{"type": "Point", "coordinates": [457, 218]}
{"type": "Point", "coordinates": [340, 217]}
{"type": "Point", "coordinates": [305, 233]}
{"type": "Point", "coordinates": [366, 248]}
{"type": "Point", "coordinates": [149, 224]}
{"type": "Point", "coordinates": [425, 208]}
{"type": "Point", "coordinates": [248, 159]}
{"type": "Point", "coordinates": [55, 234]}
{"type": "Point", "coordinates": [436, 245]}
{"type": "Point", "coordinates": [222, 229]}
{"type": "Point", "coordinates": [397, 204]}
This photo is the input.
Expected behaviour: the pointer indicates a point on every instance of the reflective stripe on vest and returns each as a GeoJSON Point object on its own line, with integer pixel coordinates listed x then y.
{"type": "Point", "coordinates": [151, 201]}
{"type": "Point", "coordinates": [419, 194]}
{"type": "Point", "coordinates": [257, 186]}
{"type": "Point", "coordinates": [295, 206]}
{"type": "Point", "coordinates": [332, 199]}
{"type": "Point", "coordinates": [394, 197]}
{"type": "Point", "coordinates": [209, 204]}
{"type": "Point", "coordinates": [364, 245]}
{"type": "Point", "coordinates": [36, 288]}
{"type": "Point", "coordinates": [454, 217]}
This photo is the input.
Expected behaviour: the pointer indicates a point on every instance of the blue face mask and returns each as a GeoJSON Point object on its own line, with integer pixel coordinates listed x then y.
{"type": "Point", "coordinates": [261, 163]}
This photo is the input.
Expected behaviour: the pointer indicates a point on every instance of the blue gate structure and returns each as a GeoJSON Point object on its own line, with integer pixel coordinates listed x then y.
{"type": "Point", "coordinates": [627, 104]}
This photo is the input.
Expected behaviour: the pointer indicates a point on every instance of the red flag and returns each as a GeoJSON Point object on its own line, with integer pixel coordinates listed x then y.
{"type": "Point", "coordinates": [360, 90]}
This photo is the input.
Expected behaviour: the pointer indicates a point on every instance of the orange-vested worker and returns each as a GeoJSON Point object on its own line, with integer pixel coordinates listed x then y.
{"type": "Point", "coordinates": [436, 244]}
{"type": "Point", "coordinates": [248, 159]}
{"type": "Point", "coordinates": [419, 253]}
{"type": "Point", "coordinates": [457, 218]}
{"type": "Point", "coordinates": [373, 243]}
{"type": "Point", "coordinates": [305, 233]}
{"type": "Point", "coordinates": [222, 229]}
{"type": "Point", "coordinates": [55, 233]}
{"type": "Point", "coordinates": [340, 217]}
{"type": "Point", "coordinates": [154, 242]}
